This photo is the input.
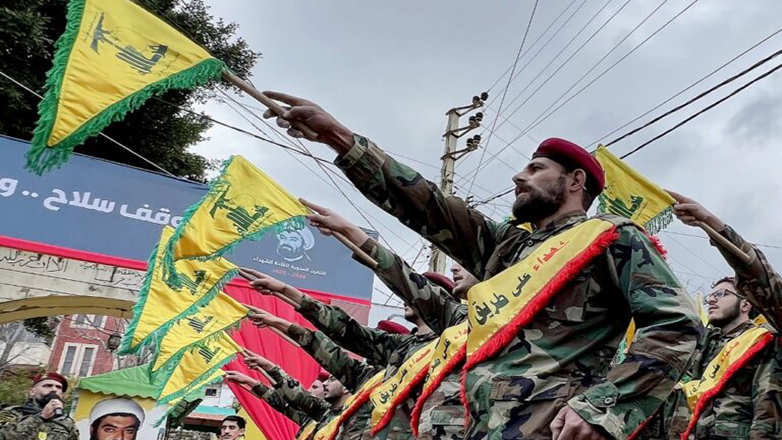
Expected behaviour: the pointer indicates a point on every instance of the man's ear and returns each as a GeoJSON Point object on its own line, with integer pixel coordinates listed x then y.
{"type": "Point", "coordinates": [579, 180]}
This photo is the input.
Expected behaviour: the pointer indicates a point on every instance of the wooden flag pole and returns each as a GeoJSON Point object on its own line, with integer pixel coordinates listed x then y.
{"type": "Point", "coordinates": [268, 102]}
{"type": "Point", "coordinates": [363, 256]}
{"type": "Point", "coordinates": [724, 242]}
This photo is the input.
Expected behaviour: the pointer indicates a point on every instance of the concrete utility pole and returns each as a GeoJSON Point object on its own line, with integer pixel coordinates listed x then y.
{"type": "Point", "coordinates": [452, 133]}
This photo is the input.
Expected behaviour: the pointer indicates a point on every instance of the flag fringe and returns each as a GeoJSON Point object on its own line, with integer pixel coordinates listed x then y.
{"type": "Point", "coordinates": [171, 362]}
{"type": "Point", "coordinates": [41, 157]}
{"type": "Point", "coordinates": [190, 388]}
{"type": "Point", "coordinates": [126, 346]}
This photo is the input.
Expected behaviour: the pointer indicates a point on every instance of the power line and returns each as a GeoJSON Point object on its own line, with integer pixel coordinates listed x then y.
{"type": "Point", "coordinates": [771, 246]}
{"type": "Point", "coordinates": [541, 118]}
{"type": "Point", "coordinates": [699, 96]}
{"type": "Point", "coordinates": [710, 74]}
{"type": "Point", "coordinates": [543, 70]}
{"type": "Point", "coordinates": [704, 110]}
{"type": "Point", "coordinates": [505, 91]}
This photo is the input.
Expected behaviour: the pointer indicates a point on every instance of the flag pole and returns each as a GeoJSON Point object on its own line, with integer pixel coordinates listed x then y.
{"type": "Point", "coordinates": [265, 100]}
{"type": "Point", "coordinates": [363, 256]}
{"type": "Point", "coordinates": [724, 242]}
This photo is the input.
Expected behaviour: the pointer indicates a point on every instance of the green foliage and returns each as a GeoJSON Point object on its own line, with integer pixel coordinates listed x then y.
{"type": "Point", "coordinates": [158, 131]}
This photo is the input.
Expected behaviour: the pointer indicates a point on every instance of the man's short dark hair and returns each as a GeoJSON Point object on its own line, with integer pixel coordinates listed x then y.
{"type": "Point", "coordinates": [731, 280]}
{"type": "Point", "coordinates": [586, 197]}
{"type": "Point", "coordinates": [239, 421]}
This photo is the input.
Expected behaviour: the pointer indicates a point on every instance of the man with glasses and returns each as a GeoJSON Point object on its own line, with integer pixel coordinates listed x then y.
{"type": "Point", "coordinates": [735, 386]}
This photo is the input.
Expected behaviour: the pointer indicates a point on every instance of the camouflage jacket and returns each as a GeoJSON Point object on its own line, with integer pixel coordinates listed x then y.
{"type": "Point", "coordinates": [385, 350]}
{"type": "Point", "coordinates": [20, 423]}
{"type": "Point", "coordinates": [351, 373]}
{"type": "Point", "coordinates": [563, 356]}
{"type": "Point", "coordinates": [290, 399]}
{"type": "Point", "coordinates": [442, 415]}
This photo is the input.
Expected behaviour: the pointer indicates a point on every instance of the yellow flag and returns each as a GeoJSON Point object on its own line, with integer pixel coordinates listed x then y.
{"type": "Point", "coordinates": [199, 362]}
{"type": "Point", "coordinates": [242, 203]}
{"type": "Point", "coordinates": [112, 57]}
{"type": "Point", "coordinates": [631, 195]}
{"type": "Point", "coordinates": [159, 305]}
{"type": "Point", "coordinates": [221, 314]}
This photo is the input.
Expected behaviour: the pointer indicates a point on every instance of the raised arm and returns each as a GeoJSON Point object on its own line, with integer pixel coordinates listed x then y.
{"type": "Point", "coordinates": [448, 222]}
{"type": "Point", "coordinates": [432, 303]}
{"type": "Point", "coordinates": [756, 280]}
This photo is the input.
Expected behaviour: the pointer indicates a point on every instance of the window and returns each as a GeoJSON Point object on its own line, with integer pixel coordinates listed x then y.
{"type": "Point", "coordinates": [87, 321]}
{"type": "Point", "coordinates": [210, 392]}
{"type": "Point", "coordinates": [77, 359]}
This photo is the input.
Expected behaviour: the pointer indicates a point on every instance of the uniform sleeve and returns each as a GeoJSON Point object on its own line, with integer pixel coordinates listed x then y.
{"type": "Point", "coordinates": [668, 328]}
{"type": "Point", "coordinates": [351, 372]}
{"type": "Point", "coordinates": [756, 280]}
{"type": "Point", "coordinates": [438, 309]}
{"type": "Point", "coordinates": [767, 397]}
{"type": "Point", "coordinates": [448, 222]}
{"type": "Point", "coordinates": [276, 401]}
{"type": "Point", "coordinates": [292, 392]}
{"type": "Point", "coordinates": [374, 345]}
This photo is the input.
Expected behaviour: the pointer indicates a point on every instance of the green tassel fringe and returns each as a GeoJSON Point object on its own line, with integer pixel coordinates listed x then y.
{"type": "Point", "coordinates": [190, 388]}
{"type": "Point", "coordinates": [42, 158]}
{"type": "Point", "coordinates": [125, 347]}
{"type": "Point", "coordinates": [173, 361]}
{"type": "Point", "coordinates": [659, 221]}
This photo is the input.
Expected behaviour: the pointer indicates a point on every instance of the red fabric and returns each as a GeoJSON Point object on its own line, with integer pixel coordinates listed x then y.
{"type": "Point", "coordinates": [292, 359]}
{"type": "Point", "coordinates": [415, 416]}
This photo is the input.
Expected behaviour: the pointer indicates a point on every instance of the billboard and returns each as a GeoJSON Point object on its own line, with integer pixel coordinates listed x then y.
{"type": "Point", "coordinates": [96, 206]}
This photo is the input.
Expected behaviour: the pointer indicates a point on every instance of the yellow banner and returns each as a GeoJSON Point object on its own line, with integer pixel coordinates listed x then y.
{"type": "Point", "coordinates": [307, 431]}
{"type": "Point", "coordinates": [354, 402]}
{"type": "Point", "coordinates": [448, 354]}
{"type": "Point", "coordinates": [629, 194]}
{"type": "Point", "coordinates": [198, 362]}
{"type": "Point", "coordinates": [242, 203]}
{"type": "Point", "coordinates": [160, 305]}
{"type": "Point", "coordinates": [501, 306]}
{"type": "Point", "coordinates": [112, 57]}
{"type": "Point", "coordinates": [219, 315]}
{"type": "Point", "coordinates": [716, 373]}
{"type": "Point", "coordinates": [387, 396]}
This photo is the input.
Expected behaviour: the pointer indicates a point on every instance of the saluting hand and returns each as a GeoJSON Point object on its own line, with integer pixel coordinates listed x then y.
{"type": "Point", "coordinates": [327, 221]}
{"type": "Point", "coordinates": [240, 378]}
{"type": "Point", "coordinates": [256, 361]}
{"type": "Point", "coordinates": [692, 213]}
{"type": "Point", "coordinates": [329, 130]}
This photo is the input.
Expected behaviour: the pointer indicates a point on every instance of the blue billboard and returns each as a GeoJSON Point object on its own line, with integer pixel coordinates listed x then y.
{"type": "Point", "coordinates": [97, 206]}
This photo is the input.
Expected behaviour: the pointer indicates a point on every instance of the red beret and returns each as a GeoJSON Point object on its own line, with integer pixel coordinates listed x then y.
{"type": "Point", "coordinates": [392, 327]}
{"type": "Point", "coordinates": [323, 376]}
{"type": "Point", "coordinates": [40, 377]}
{"type": "Point", "coordinates": [572, 157]}
{"type": "Point", "coordinates": [440, 280]}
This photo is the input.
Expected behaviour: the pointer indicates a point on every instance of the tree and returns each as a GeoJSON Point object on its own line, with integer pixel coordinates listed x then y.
{"type": "Point", "coordinates": [32, 329]}
{"type": "Point", "coordinates": [158, 131]}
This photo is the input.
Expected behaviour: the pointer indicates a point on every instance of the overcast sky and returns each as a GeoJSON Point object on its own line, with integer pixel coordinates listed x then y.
{"type": "Point", "coordinates": [390, 71]}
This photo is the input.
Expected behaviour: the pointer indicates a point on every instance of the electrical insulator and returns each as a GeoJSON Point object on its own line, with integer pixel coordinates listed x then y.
{"type": "Point", "coordinates": [479, 116]}
{"type": "Point", "coordinates": [484, 96]}
{"type": "Point", "coordinates": [476, 100]}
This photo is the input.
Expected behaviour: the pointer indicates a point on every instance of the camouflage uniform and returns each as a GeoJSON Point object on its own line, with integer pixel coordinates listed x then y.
{"type": "Point", "coordinates": [24, 423]}
{"type": "Point", "coordinates": [562, 357]}
{"type": "Point", "coordinates": [750, 406]}
{"type": "Point", "coordinates": [290, 399]}
{"type": "Point", "coordinates": [385, 350]}
{"type": "Point", "coordinates": [350, 372]}
{"type": "Point", "coordinates": [442, 415]}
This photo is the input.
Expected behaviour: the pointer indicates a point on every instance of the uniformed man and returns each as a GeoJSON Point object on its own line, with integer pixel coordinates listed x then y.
{"type": "Point", "coordinates": [440, 305]}
{"type": "Point", "coordinates": [41, 417]}
{"type": "Point", "coordinates": [539, 357]}
{"type": "Point", "coordinates": [380, 348]}
{"type": "Point", "coordinates": [735, 388]}
{"type": "Point", "coordinates": [286, 396]}
{"type": "Point", "coordinates": [347, 373]}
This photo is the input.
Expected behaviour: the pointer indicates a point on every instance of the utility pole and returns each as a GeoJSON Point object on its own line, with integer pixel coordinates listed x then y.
{"type": "Point", "coordinates": [452, 134]}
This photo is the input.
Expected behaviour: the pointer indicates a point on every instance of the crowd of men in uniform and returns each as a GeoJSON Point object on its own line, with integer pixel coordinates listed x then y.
{"type": "Point", "coordinates": [567, 370]}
